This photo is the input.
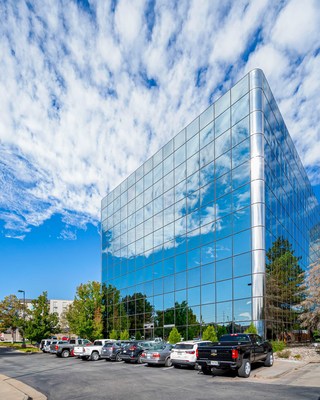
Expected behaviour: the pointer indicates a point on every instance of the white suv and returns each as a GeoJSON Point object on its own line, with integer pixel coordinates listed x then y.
{"type": "Point", "coordinates": [185, 353]}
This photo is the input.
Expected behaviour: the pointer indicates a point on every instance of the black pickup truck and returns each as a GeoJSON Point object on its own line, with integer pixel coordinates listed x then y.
{"type": "Point", "coordinates": [237, 352]}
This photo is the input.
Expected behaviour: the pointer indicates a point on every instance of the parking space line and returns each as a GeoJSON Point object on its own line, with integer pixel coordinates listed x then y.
{"type": "Point", "coordinates": [166, 368]}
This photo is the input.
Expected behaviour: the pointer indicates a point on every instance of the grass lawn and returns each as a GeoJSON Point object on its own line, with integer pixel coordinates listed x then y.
{"type": "Point", "coordinates": [18, 346]}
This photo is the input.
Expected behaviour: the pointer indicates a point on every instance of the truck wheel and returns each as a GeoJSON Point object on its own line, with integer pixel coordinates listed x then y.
{"type": "Point", "coordinates": [245, 369]}
{"type": "Point", "coordinates": [269, 360]}
{"type": "Point", "coordinates": [94, 356]}
{"type": "Point", "coordinates": [65, 354]}
{"type": "Point", "coordinates": [205, 370]}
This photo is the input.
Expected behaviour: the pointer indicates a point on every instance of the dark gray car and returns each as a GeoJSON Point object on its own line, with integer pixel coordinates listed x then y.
{"type": "Point", "coordinates": [159, 354]}
{"type": "Point", "coordinates": [111, 351]}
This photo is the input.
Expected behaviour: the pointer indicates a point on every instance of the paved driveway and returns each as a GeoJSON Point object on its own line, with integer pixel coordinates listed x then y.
{"type": "Point", "coordinates": [73, 379]}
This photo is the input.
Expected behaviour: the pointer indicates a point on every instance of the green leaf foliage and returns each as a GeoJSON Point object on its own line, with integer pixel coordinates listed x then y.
{"type": "Point", "coordinates": [210, 334]}
{"type": "Point", "coordinates": [221, 330]}
{"type": "Point", "coordinates": [11, 314]}
{"type": "Point", "coordinates": [113, 334]}
{"type": "Point", "coordinates": [251, 329]}
{"type": "Point", "coordinates": [41, 323]}
{"type": "Point", "coordinates": [138, 335]}
{"type": "Point", "coordinates": [124, 335]}
{"type": "Point", "coordinates": [174, 336]}
{"type": "Point", "coordinates": [85, 315]}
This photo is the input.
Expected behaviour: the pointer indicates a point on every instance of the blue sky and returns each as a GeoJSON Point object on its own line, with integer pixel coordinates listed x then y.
{"type": "Point", "coordinates": [91, 89]}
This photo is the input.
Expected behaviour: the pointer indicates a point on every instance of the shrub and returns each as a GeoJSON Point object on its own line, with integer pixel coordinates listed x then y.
{"type": "Point", "coordinates": [113, 334]}
{"type": "Point", "coordinates": [138, 335]}
{"type": "Point", "coordinates": [297, 356]}
{"type": "Point", "coordinates": [124, 335]}
{"type": "Point", "coordinates": [278, 345]}
{"type": "Point", "coordinates": [221, 330]}
{"type": "Point", "coordinates": [209, 334]}
{"type": "Point", "coordinates": [251, 329]}
{"type": "Point", "coordinates": [284, 354]}
{"type": "Point", "coordinates": [174, 336]}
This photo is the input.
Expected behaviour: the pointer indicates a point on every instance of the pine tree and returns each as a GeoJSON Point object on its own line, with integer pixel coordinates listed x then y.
{"type": "Point", "coordinates": [114, 334]}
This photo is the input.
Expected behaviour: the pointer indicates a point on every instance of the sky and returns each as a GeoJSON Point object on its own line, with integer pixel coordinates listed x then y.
{"type": "Point", "coordinates": [91, 89]}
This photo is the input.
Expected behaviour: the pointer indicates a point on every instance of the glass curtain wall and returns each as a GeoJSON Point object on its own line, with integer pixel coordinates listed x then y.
{"type": "Point", "coordinates": [185, 237]}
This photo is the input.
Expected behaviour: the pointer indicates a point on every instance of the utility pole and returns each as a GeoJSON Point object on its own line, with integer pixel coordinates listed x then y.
{"type": "Point", "coordinates": [24, 317]}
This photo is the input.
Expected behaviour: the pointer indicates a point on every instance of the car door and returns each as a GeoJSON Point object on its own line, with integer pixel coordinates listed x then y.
{"type": "Point", "coordinates": [259, 348]}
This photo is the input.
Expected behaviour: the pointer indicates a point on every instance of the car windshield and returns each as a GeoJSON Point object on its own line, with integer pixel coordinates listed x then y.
{"type": "Point", "coordinates": [108, 345]}
{"type": "Point", "coordinates": [234, 338]}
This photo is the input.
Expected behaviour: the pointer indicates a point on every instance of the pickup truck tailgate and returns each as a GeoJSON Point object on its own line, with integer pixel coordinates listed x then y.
{"type": "Point", "coordinates": [217, 353]}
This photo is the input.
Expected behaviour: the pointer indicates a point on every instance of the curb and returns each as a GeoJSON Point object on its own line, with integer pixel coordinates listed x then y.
{"type": "Point", "coordinates": [19, 390]}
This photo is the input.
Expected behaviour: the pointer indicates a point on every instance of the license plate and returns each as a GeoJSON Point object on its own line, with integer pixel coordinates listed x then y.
{"type": "Point", "coordinates": [214, 362]}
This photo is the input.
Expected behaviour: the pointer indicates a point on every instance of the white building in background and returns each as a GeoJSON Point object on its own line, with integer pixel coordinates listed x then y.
{"type": "Point", "coordinates": [59, 306]}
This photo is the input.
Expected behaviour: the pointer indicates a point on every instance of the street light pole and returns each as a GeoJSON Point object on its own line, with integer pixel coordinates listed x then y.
{"type": "Point", "coordinates": [24, 316]}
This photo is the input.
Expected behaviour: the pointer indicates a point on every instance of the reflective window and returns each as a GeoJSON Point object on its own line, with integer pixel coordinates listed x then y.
{"type": "Point", "coordinates": [222, 144]}
{"type": "Point", "coordinates": [242, 310]}
{"type": "Point", "coordinates": [193, 128]}
{"type": "Point", "coordinates": [194, 296]}
{"type": "Point", "coordinates": [242, 242]}
{"type": "Point", "coordinates": [242, 287]}
{"type": "Point", "coordinates": [192, 146]}
{"type": "Point", "coordinates": [208, 273]}
{"type": "Point", "coordinates": [224, 248]}
{"type": "Point", "coordinates": [206, 117]}
{"type": "Point", "coordinates": [242, 220]}
{"type": "Point", "coordinates": [181, 280]}
{"type": "Point", "coordinates": [224, 269]}
{"type": "Point", "coordinates": [194, 277]}
{"type": "Point", "coordinates": [207, 254]}
{"type": "Point", "coordinates": [206, 135]}
{"type": "Point", "coordinates": [222, 104]}
{"type": "Point", "coordinates": [240, 131]}
{"type": "Point", "coordinates": [224, 312]}
{"type": "Point", "coordinates": [179, 139]}
{"type": "Point", "coordinates": [208, 293]}
{"type": "Point", "coordinates": [241, 153]}
{"type": "Point", "coordinates": [240, 89]}
{"type": "Point", "coordinates": [222, 123]}
{"type": "Point", "coordinates": [240, 109]}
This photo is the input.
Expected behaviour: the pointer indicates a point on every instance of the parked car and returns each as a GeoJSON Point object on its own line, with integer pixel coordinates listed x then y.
{"type": "Point", "coordinates": [55, 344]}
{"type": "Point", "coordinates": [111, 351]}
{"type": "Point", "coordinates": [185, 353]}
{"type": "Point", "coordinates": [43, 343]}
{"type": "Point", "coordinates": [66, 349]}
{"type": "Point", "coordinates": [92, 352]}
{"type": "Point", "coordinates": [159, 354]}
{"type": "Point", "coordinates": [132, 352]}
{"type": "Point", "coordinates": [236, 352]}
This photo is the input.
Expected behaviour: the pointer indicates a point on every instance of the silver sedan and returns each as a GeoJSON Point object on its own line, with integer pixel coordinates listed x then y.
{"type": "Point", "coordinates": [158, 355]}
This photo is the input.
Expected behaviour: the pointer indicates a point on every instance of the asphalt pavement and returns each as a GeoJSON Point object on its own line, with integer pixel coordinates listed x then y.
{"type": "Point", "coordinates": [74, 379]}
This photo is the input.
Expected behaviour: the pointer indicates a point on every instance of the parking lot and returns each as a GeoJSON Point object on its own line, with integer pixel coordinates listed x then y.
{"type": "Point", "coordinates": [71, 379]}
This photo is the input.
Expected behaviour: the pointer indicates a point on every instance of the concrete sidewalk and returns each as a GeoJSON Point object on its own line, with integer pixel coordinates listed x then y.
{"type": "Point", "coordinates": [279, 369]}
{"type": "Point", "coordinates": [11, 389]}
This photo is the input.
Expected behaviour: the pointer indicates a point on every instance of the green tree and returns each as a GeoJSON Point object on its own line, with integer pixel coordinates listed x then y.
{"type": "Point", "coordinates": [139, 310]}
{"type": "Point", "coordinates": [174, 336]}
{"type": "Point", "coordinates": [284, 277]}
{"type": "Point", "coordinates": [84, 315]}
{"type": "Point", "coordinates": [114, 314]}
{"type": "Point", "coordinates": [124, 335]}
{"type": "Point", "coordinates": [210, 334]}
{"type": "Point", "coordinates": [138, 335]}
{"type": "Point", "coordinates": [114, 334]}
{"type": "Point", "coordinates": [11, 314]}
{"type": "Point", "coordinates": [251, 329]}
{"type": "Point", "coordinates": [310, 317]}
{"type": "Point", "coordinates": [41, 323]}
{"type": "Point", "coordinates": [221, 330]}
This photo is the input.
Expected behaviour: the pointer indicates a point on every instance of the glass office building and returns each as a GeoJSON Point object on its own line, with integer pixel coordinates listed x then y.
{"type": "Point", "coordinates": [215, 228]}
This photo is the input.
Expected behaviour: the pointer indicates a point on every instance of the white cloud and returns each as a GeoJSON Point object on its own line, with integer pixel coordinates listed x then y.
{"type": "Point", "coordinates": [79, 110]}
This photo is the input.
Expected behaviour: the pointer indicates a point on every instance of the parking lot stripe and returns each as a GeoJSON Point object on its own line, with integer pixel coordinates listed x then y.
{"type": "Point", "coordinates": [166, 368]}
